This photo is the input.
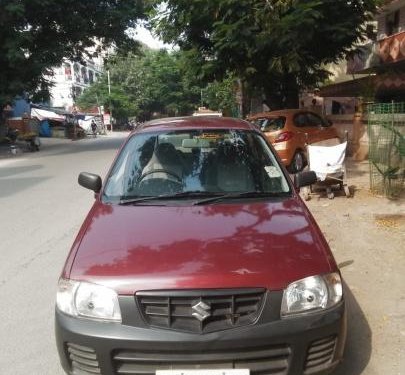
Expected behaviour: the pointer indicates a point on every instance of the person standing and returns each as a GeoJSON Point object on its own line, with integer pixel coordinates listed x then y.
{"type": "Point", "coordinates": [94, 128]}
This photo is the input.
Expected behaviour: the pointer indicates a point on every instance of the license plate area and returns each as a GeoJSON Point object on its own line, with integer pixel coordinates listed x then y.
{"type": "Point", "coordinates": [204, 372]}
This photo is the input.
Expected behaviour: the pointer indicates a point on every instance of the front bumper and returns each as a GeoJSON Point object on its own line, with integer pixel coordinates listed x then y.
{"type": "Point", "coordinates": [311, 344]}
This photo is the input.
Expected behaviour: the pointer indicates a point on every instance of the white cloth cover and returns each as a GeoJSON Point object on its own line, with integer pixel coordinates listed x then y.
{"type": "Point", "coordinates": [86, 124]}
{"type": "Point", "coordinates": [324, 160]}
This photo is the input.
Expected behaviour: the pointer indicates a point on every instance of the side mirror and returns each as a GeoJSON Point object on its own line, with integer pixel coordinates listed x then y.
{"type": "Point", "coordinates": [305, 179]}
{"type": "Point", "coordinates": [90, 181]}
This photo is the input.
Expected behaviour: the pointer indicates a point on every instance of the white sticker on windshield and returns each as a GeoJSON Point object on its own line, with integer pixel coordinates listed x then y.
{"type": "Point", "coordinates": [272, 171]}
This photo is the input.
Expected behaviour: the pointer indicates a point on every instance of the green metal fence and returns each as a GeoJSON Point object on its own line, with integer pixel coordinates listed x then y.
{"type": "Point", "coordinates": [386, 132]}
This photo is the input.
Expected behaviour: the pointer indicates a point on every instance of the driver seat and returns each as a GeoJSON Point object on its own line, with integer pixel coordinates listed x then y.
{"type": "Point", "coordinates": [159, 175]}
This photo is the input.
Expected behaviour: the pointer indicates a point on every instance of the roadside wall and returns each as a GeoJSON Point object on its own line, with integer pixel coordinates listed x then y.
{"type": "Point", "coordinates": [356, 126]}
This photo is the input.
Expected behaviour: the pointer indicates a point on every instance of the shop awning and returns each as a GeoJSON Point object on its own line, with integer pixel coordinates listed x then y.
{"type": "Point", "coordinates": [43, 114]}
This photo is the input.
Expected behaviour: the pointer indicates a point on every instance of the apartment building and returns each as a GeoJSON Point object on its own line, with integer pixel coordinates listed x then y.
{"type": "Point", "coordinates": [376, 71]}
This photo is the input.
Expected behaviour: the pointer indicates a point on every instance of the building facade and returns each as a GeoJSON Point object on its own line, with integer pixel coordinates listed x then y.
{"type": "Point", "coordinates": [71, 79]}
{"type": "Point", "coordinates": [376, 71]}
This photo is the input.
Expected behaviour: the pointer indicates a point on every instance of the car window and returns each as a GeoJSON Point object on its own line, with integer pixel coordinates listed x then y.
{"type": "Point", "coordinates": [301, 120]}
{"type": "Point", "coordinates": [314, 120]}
{"type": "Point", "coordinates": [216, 161]}
{"type": "Point", "coordinates": [269, 124]}
{"type": "Point", "coordinates": [326, 123]}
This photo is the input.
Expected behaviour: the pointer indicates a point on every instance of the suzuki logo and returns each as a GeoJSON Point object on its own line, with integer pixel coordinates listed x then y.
{"type": "Point", "coordinates": [201, 311]}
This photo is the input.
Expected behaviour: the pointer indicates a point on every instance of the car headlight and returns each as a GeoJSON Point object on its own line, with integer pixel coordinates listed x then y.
{"type": "Point", "coordinates": [312, 294]}
{"type": "Point", "coordinates": [87, 300]}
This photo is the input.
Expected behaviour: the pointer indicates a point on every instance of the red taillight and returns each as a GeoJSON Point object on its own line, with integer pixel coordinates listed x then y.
{"type": "Point", "coordinates": [283, 137]}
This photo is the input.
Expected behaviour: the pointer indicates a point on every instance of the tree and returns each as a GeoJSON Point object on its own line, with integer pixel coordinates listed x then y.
{"type": "Point", "coordinates": [154, 81]}
{"type": "Point", "coordinates": [36, 35]}
{"type": "Point", "coordinates": [220, 95]}
{"type": "Point", "coordinates": [275, 46]}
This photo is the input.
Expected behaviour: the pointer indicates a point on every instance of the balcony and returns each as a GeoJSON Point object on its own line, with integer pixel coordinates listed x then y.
{"type": "Point", "coordinates": [378, 54]}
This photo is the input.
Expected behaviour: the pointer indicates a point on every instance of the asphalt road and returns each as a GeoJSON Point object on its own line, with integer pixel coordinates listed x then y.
{"type": "Point", "coordinates": [41, 210]}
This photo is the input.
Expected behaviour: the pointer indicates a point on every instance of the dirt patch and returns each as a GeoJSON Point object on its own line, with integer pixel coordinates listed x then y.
{"type": "Point", "coordinates": [390, 221]}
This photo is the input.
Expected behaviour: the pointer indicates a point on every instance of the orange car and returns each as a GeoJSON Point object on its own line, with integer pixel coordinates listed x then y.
{"type": "Point", "coordinates": [290, 129]}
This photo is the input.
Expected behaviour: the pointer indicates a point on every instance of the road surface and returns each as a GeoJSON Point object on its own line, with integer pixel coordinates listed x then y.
{"type": "Point", "coordinates": [42, 208]}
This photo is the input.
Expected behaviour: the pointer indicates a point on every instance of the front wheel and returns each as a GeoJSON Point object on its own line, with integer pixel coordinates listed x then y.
{"type": "Point", "coordinates": [297, 163]}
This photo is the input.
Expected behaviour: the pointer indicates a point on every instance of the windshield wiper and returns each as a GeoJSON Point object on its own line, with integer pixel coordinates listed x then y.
{"type": "Point", "coordinates": [245, 194]}
{"type": "Point", "coordinates": [184, 194]}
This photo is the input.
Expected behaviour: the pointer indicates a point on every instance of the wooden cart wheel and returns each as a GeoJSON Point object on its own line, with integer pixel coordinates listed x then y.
{"type": "Point", "coordinates": [347, 191]}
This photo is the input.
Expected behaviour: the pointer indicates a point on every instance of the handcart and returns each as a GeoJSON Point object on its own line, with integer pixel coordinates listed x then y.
{"type": "Point", "coordinates": [328, 162]}
{"type": "Point", "coordinates": [23, 133]}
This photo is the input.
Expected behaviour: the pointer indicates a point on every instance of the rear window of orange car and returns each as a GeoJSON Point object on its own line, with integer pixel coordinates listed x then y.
{"type": "Point", "coordinates": [270, 124]}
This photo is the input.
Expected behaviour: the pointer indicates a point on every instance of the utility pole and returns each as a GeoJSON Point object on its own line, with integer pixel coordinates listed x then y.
{"type": "Point", "coordinates": [109, 82]}
{"type": "Point", "coordinates": [109, 98]}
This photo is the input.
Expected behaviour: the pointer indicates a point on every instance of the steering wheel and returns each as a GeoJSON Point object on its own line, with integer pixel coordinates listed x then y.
{"type": "Point", "coordinates": [178, 178]}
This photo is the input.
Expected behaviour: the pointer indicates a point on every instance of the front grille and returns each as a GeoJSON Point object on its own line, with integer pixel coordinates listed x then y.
{"type": "Point", "coordinates": [201, 311]}
{"type": "Point", "coordinates": [320, 354]}
{"type": "Point", "coordinates": [83, 360]}
{"type": "Point", "coordinates": [272, 360]}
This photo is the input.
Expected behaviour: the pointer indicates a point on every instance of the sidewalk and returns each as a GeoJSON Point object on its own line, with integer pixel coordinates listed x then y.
{"type": "Point", "coordinates": [366, 234]}
{"type": "Point", "coordinates": [4, 150]}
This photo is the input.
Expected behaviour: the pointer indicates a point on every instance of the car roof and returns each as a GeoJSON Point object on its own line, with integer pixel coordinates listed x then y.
{"type": "Point", "coordinates": [195, 122]}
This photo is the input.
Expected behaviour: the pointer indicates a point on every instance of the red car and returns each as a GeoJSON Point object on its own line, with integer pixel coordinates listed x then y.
{"type": "Point", "coordinates": [198, 254]}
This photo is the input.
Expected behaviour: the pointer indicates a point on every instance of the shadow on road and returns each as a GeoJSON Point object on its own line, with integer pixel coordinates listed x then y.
{"type": "Point", "coordinates": [85, 145]}
{"type": "Point", "coordinates": [358, 345]}
{"type": "Point", "coordinates": [11, 171]}
{"type": "Point", "coordinates": [12, 186]}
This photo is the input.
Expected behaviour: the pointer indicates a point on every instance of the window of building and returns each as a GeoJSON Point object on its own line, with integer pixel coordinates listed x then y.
{"type": "Point", "coordinates": [85, 77]}
{"type": "Point", "coordinates": [91, 76]}
{"type": "Point", "coordinates": [76, 70]}
{"type": "Point", "coordinates": [68, 71]}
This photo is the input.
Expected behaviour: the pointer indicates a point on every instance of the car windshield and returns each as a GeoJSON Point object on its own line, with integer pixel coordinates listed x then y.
{"type": "Point", "coordinates": [269, 124]}
{"type": "Point", "coordinates": [190, 162]}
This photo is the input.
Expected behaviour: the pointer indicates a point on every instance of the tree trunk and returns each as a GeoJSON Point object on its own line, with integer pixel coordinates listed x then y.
{"type": "Point", "coordinates": [282, 94]}
{"type": "Point", "coordinates": [273, 97]}
{"type": "Point", "coordinates": [291, 91]}
{"type": "Point", "coordinates": [2, 122]}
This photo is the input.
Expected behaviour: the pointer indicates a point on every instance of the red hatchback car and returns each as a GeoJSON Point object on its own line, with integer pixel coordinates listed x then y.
{"type": "Point", "coordinates": [198, 257]}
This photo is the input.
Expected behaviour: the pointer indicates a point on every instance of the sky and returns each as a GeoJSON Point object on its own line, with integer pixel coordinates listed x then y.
{"type": "Point", "coordinates": [146, 37]}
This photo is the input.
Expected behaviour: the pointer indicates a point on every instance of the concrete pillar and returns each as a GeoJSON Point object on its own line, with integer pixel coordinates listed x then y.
{"type": "Point", "coordinates": [360, 137]}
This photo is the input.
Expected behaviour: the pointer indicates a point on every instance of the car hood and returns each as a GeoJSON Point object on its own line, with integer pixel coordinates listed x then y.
{"type": "Point", "coordinates": [261, 244]}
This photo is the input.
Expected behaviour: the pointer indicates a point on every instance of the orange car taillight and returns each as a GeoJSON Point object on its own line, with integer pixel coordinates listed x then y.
{"type": "Point", "coordinates": [284, 136]}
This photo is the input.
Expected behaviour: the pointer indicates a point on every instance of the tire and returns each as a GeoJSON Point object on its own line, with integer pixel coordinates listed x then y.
{"type": "Point", "coordinates": [297, 162]}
